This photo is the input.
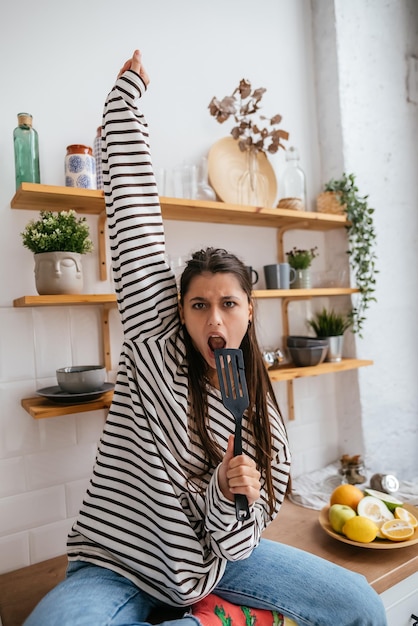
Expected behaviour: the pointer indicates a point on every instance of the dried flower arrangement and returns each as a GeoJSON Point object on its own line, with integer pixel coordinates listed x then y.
{"type": "Point", "coordinates": [243, 105]}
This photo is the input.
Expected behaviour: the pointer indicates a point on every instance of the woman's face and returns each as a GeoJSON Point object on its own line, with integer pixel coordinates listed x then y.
{"type": "Point", "coordinates": [216, 313]}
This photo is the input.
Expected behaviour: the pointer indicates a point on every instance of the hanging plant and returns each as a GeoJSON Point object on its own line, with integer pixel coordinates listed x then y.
{"type": "Point", "coordinates": [361, 240]}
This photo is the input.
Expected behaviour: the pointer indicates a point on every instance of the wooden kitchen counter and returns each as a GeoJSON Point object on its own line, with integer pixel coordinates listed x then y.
{"type": "Point", "coordinates": [299, 527]}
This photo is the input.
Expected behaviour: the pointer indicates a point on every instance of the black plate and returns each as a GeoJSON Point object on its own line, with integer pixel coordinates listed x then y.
{"type": "Point", "coordinates": [56, 394]}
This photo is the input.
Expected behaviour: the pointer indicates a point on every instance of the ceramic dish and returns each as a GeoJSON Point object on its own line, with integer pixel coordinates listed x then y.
{"type": "Point", "coordinates": [377, 544]}
{"type": "Point", "coordinates": [226, 163]}
{"type": "Point", "coordinates": [56, 394]}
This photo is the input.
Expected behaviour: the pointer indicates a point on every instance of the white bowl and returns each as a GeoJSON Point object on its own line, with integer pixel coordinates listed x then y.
{"type": "Point", "coordinates": [81, 378]}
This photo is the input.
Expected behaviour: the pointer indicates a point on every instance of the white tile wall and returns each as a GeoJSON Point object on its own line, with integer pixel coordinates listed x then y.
{"type": "Point", "coordinates": [86, 332]}
{"type": "Point", "coordinates": [57, 433]}
{"type": "Point", "coordinates": [52, 339]}
{"type": "Point", "coordinates": [16, 345]}
{"type": "Point", "coordinates": [59, 466]}
{"type": "Point", "coordinates": [32, 509]}
{"type": "Point", "coordinates": [48, 541]}
{"type": "Point", "coordinates": [14, 552]}
{"type": "Point", "coordinates": [74, 494]}
{"type": "Point", "coordinates": [19, 433]}
{"type": "Point", "coordinates": [13, 480]}
{"type": "Point", "coordinates": [89, 426]}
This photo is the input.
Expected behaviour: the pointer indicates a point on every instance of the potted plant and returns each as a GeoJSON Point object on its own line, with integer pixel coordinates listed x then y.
{"type": "Point", "coordinates": [301, 261]}
{"type": "Point", "coordinates": [361, 242]}
{"type": "Point", "coordinates": [255, 135]}
{"type": "Point", "coordinates": [331, 326]}
{"type": "Point", "coordinates": [57, 241]}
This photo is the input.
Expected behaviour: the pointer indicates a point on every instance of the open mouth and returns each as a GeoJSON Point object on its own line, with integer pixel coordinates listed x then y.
{"type": "Point", "coordinates": [216, 342]}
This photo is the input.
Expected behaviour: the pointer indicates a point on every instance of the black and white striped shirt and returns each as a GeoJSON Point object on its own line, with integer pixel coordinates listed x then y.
{"type": "Point", "coordinates": [140, 517]}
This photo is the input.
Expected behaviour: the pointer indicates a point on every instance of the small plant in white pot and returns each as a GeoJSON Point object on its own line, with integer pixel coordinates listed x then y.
{"type": "Point", "coordinates": [57, 241]}
{"type": "Point", "coordinates": [332, 326]}
{"type": "Point", "coordinates": [300, 260]}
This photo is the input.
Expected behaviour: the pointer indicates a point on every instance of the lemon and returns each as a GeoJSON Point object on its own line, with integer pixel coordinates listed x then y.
{"type": "Point", "coordinates": [406, 516]}
{"type": "Point", "coordinates": [360, 529]}
{"type": "Point", "coordinates": [390, 501]}
{"type": "Point", "coordinates": [397, 530]}
{"type": "Point", "coordinates": [374, 509]}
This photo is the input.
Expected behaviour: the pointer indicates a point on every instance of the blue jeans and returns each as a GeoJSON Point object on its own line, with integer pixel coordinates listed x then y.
{"type": "Point", "coordinates": [312, 591]}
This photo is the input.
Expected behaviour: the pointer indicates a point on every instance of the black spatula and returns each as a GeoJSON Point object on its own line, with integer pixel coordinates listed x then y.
{"type": "Point", "coordinates": [231, 374]}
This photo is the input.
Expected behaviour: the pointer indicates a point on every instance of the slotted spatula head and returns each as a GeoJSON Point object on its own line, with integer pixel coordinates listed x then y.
{"type": "Point", "coordinates": [231, 375]}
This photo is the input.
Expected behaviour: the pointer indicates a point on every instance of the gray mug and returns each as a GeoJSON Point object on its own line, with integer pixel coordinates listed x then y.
{"type": "Point", "coordinates": [287, 275]}
{"type": "Point", "coordinates": [272, 276]}
{"type": "Point", "coordinates": [253, 274]}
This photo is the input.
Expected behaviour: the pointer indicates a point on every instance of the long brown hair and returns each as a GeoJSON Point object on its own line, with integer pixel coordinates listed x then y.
{"type": "Point", "coordinates": [216, 260]}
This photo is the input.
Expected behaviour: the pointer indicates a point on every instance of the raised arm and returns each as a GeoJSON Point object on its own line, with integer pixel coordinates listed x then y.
{"type": "Point", "coordinates": [144, 284]}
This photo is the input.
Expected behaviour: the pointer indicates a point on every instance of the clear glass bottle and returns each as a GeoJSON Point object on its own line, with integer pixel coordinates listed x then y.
{"type": "Point", "coordinates": [26, 149]}
{"type": "Point", "coordinates": [204, 190]}
{"type": "Point", "coordinates": [293, 184]}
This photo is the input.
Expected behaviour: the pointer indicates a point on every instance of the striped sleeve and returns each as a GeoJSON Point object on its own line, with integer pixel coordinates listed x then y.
{"type": "Point", "coordinates": [144, 284]}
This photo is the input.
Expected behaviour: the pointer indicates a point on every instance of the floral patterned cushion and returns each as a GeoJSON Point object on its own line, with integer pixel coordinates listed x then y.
{"type": "Point", "coordinates": [214, 611]}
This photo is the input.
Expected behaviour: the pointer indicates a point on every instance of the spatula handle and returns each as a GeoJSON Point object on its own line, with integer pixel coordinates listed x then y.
{"type": "Point", "coordinates": [242, 510]}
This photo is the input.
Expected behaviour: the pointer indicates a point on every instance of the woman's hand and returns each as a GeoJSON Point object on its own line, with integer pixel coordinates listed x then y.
{"type": "Point", "coordinates": [135, 64]}
{"type": "Point", "coordinates": [238, 474]}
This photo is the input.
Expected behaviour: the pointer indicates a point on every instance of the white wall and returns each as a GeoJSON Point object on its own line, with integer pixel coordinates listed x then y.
{"type": "Point", "coordinates": [362, 50]}
{"type": "Point", "coordinates": [58, 62]}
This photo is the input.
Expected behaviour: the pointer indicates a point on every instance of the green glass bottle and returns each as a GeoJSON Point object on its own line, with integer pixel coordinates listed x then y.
{"type": "Point", "coordinates": [26, 148]}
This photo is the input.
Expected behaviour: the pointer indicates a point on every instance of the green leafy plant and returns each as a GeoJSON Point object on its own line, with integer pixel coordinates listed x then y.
{"type": "Point", "coordinates": [57, 232]}
{"type": "Point", "coordinates": [301, 259]}
{"type": "Point", "coordinates": [329, 324]}
{"type": "Point", "coordinates": [243, 105]}
{"type": "Point", "coordinates": [361, 240]}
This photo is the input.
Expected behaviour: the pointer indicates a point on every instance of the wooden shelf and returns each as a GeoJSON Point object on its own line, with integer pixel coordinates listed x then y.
{"type": "Point", "coordinates": [66, 300]}
{"type": "Point", "coordinates": [304, 293]}
{"type": "Point", "coordinates": [110, 298]}
{"type": "Point", "coordinates": [39, 407]}
{"type": "Point", "coordinates": [290, 372]}
{"type": "Point", "coordinates": [221, 213]}
{"type": "Point", "coordinates": [32, 196]}
{"type": "Point", "coordinates": [35, 197]}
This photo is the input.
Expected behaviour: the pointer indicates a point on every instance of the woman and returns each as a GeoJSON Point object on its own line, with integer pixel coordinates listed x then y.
{"type": "Point", "coordinates": [158, 526]}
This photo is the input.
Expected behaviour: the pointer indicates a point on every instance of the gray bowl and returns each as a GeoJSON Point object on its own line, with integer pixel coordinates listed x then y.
{"type": "Point", "coordinates": [81, 378]}
{"type": "Point", "coordinates": [299, 341]}
{"type": "Point", "coordinates": [308, 355]}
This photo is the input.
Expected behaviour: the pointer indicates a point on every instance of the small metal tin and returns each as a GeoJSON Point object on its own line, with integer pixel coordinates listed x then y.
{"type": "Point", "coordinates": [384, 482]}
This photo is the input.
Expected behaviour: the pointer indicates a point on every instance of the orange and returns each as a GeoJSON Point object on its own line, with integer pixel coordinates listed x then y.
{"type": "Point", "coordinates": [350, 495]}
{"type": "Point", "coordinates": [406, 516]}
{"type": "Point", "coordinates": [397, 530]}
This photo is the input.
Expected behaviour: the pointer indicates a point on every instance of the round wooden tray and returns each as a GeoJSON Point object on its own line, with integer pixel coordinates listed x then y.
{"type": "Point", "coordinates": [377, 544]}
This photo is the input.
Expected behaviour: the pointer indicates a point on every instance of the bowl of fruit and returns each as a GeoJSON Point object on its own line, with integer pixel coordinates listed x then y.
{"type": "Point", "coordinates": [369, 518]}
